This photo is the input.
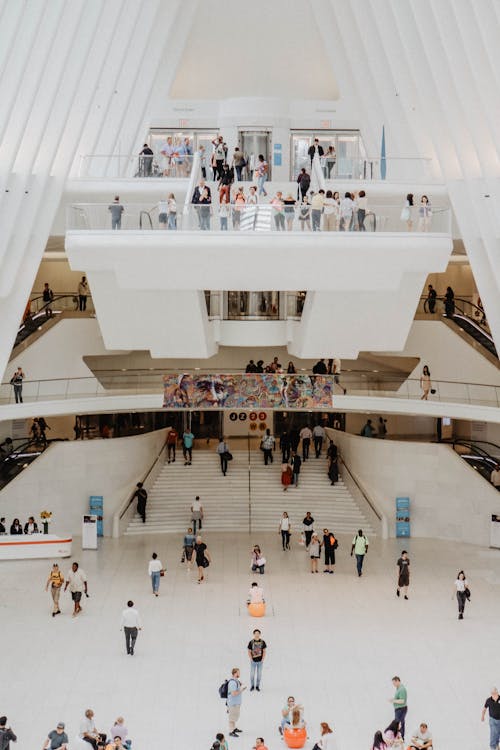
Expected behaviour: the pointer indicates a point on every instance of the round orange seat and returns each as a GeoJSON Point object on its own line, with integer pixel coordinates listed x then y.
{"type": "Point", "coordinates": [257, 609]}
{"type": "Point", "coordinates": [295, 737]}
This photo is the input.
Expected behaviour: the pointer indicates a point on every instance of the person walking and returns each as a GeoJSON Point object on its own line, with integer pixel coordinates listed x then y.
{"type": "Point", "coordinates": [116, 209]}
{"type": "Point", "coordinates": [187, 446]}
{"type": "Point", "coordinates": [403, 564]}
{"type": "Point", "coordinates": [285, 530]}
{"type": "Point", "coordinates": [359, 548]}
{"type": "Point", "coordinates": [296, 462]}
{"type": "Point", "coordinates": [305, 436]}
{"type": "Point", "coordinates": [172, 437]}
{"type": "Point", "coordinates": [77, 582]}
{"type": "Point", "coordinates": [83, 291]}
{"type": "Point", "coordinates": [202, 556]}
{"type": "Point", "coordinates": [267, 445]}
{"type": "Point", "coordinates": [6, 734]}
{"type": "Point", "coordinates": [141, 496]}
{"type": "Point", "coordinates": [57, 739]}
{"type": "Point", "coordinates": [55, 581]}
{"type": "Point", "coordinates": [131, 624]}
{"type": "Point", "coordinates": [234, 697]}
{"type": "Point", "coordinates": [492, 706]}
{"type": "Point", "coordinates": [294, 439]}
{"type": "Point", "coordinates": [187, 548]}
{"type": "Point", "coordinates": [449, 302]}
{"type": "Point", "coordinates": [155, 570]}
{"type": "Point", "coordinates": [330, 544]}
{"type": "Point", "coordinates": [286, 476]}
{"type": "Point", "coordinates": [303, 183]}
{"type": "Point", "coordinates": [223, 452]}
{"type": "Point", "coordinates": [307, 525]}
{"type": "Point", "coordinates": [314, 552]}
{"type": "Point", "coordinates": [261, 172]}
{"type": "Point", "coordinates": [256, 653]}
{"type": "Point", "coordinates": [400, 703]}
{"type": "Point", "coordinates": [17, 382]}
{"type": "Point", "coordinates": [285, 446]}
{"type": "Point", "coordinates": [318, 437]}
{"type": "Point", "coordinates": [462, 593]}
{"type": "Point", "coordinates": [196, 513]}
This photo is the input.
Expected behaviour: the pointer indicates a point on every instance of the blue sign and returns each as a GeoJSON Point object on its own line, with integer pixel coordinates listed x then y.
{"type": "Point", "coordinates": [96, 507]}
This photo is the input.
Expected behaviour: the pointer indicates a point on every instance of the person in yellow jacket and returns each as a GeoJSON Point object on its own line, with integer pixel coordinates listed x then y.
{"type": "Point", "coordinates": [55, 581]}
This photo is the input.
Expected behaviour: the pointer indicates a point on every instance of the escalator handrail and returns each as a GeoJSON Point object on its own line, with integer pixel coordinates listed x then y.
{"type": "Point", "coordinates": [471, 445]}
{"type": "Point", "coordinates": [462, 300]}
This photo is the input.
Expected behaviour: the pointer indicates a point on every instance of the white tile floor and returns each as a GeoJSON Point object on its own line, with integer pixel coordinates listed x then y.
{"type": "Point", "coordinates": [333, 641]}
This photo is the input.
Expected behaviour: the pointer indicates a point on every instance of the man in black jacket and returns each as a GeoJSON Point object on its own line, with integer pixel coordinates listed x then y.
{"type": "Point", "coordinates": [142, 499]}
{"type": "Point", "coordinates": [296, 462]}
{"type": "Point", "coordinates": [315, 148]}
{"type": "Point", "coordinates": [6, 734]}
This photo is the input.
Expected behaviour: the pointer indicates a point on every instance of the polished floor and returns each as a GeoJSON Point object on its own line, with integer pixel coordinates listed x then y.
{"type": "Point", "coordinates": [334, 641]}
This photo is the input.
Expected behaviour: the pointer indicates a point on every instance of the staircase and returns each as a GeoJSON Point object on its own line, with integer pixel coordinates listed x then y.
{"type": "Point", "coordinates": [225, 500]}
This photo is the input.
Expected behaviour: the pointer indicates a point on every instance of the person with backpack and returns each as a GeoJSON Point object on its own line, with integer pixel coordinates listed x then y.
{"type": "Point", "coordinates": [330, 544]}
{"type": "Point", "coordinates": [224, 455]}
{"type": "Point", "coordinates": [359, 548]}
{"type": "Point", "coordinates": [234, 692]}
{"type": "Point", "coordinates": [304, 183]}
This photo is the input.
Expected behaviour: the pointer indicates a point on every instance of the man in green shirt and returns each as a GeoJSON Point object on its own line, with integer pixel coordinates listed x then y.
{"type": "Point", "coordinates": [359, 548]}
{"type": "Point", "coordinates": [399, 703]}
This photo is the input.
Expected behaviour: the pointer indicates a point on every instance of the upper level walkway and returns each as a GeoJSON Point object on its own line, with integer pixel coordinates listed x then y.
{"type": "Point", "coordinates": [145, 391]}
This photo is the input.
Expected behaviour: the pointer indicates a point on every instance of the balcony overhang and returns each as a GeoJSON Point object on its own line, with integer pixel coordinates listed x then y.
{"type": "Point", "coordinates": [323, 261]}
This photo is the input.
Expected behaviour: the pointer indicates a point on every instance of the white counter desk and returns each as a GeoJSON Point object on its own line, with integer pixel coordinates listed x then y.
{"type": "Point", "coordinates": [30, 546]}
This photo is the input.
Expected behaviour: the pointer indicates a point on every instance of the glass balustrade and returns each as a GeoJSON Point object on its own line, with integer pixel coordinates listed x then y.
{"type": "Point", "coordinates": [138, 382]}
{"type": "Point", "coordinates": [278, 215]}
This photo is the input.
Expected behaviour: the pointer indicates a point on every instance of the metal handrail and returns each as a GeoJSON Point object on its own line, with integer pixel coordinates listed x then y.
{"type": "Point", "coordinates": [131, 500]}
{"type": "Point", "coordinates": [368, 500]}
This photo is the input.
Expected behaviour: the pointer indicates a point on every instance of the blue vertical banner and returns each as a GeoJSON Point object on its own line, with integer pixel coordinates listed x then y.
{"type": "Point", "coordinates": [383, 163]}
{"type": "Point", "coordinates": [277, 155]}
{"type": "Point", "coordinates": [96, 507]}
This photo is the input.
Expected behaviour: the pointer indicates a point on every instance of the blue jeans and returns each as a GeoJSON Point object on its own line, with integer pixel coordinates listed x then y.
{"type": "Point", "coordinates": [116, 223]}
{"type": "Point", "coordinates": [223, 223]}
{"type": "Point", "coordinates": [400, 715]}
{"type": "Point", "coordinates": [494, 733]}
{"type": "Point", "coordinates": [172, 221]}
{"type": "Point", "coordinates": [255, 673]}
{"type": "Point", "coordinates": [260, 184]}
{"type": "Point", "coordinates": [316, 219]}
{"type": "Point", "coordinates": [359, 563]}
{"type": "Point", "coordinates": [155, 580]}
{"type": "Point", "coordinates": [205, 219]}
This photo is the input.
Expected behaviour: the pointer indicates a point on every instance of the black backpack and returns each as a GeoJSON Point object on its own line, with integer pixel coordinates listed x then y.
{"type": "Point", "coordinates": [223, 689]}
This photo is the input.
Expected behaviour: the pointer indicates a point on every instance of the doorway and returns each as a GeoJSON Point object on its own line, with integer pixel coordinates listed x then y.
{"type": "Point", "coordinates": [253, 143]}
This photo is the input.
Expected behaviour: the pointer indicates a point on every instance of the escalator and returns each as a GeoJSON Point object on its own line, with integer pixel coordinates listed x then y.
{"type": "Point", "coordinates": [17, 455]}
{"type": "Point", "coordinates": [481, 455]}
{"type": "Point", "coordinates": [36, 315]}
{"type": "Point", "coordinates": [470, 319]}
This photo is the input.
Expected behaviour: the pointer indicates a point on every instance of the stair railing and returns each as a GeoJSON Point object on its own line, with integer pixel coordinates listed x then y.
{"type": "Point", "coordinates": [249, 487]}
{"type": "Point", "coordinates": [148, 479]}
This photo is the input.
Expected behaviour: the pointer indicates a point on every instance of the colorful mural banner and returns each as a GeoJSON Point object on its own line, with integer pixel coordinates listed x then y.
{"type": "Point", "coordinates": [248, 391]}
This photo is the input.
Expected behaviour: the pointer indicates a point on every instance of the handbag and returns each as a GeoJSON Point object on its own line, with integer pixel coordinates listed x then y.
{"type": "Point", "coordinates": [228, 456]}
{"type": "Point", "coordinates": [206, 562]}
{"type": "Point", "coordinates": [433, 390]}
{"type": "Point", "coordinates": [162, 572]}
